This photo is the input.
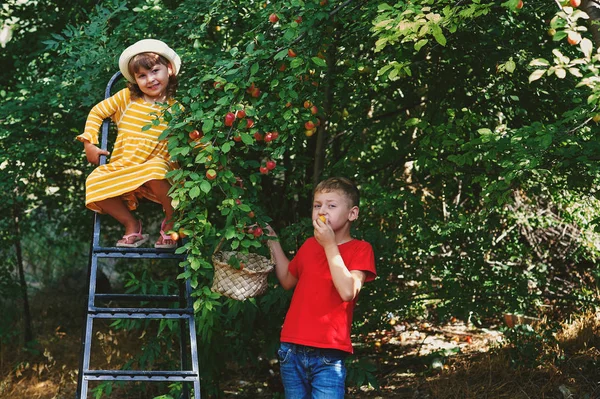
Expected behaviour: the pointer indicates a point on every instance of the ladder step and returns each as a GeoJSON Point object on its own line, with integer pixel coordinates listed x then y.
{"type": "Point", "coordinates": [138, 253]}
{"type": "Point", "coordinates": [140, 313]}
{"type": "Point", "coordinates": [138, 297]}
{"type": "Point", "coordinates": [142, 375]}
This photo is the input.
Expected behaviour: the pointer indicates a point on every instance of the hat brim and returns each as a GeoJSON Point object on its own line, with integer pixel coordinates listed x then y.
{"type": "Point", "coordinates": [147, 46]}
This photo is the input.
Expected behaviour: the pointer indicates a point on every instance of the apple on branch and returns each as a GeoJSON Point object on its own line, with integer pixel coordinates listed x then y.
{"type": "Point", "coordinates": [229, 119]}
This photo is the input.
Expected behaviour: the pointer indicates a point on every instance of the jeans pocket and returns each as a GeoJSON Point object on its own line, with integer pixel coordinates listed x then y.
{"type": "Point", "coordinates": [333, 358]}
{"type": "Point", "coordinates": [283, 353]}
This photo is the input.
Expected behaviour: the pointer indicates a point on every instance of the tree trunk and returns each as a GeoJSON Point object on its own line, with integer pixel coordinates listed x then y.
{"type": "Point", "coordinates": [592, 8]}
{"type": "Point", "coordinates": [28, 331]}
{"type": "Point", "coordinates": [330, 58]}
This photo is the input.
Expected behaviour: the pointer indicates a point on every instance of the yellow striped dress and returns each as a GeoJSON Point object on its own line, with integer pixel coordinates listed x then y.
{"type": "Point", "coordinates": [137, 156]}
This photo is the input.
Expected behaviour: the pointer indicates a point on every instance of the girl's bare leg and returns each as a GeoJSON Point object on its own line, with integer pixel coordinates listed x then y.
{"type": "Point", "coordinates": [116, 208]}
{"type": "Point", "coordinates": [160, 188]}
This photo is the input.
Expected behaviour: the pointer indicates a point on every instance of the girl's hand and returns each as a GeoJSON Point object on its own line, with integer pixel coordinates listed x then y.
{"type": "Point", "coordinates": [93, 153]}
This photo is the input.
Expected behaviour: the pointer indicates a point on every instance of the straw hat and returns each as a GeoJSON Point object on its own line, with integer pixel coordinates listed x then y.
{"type": "Point", "coordinates": [147, 46]}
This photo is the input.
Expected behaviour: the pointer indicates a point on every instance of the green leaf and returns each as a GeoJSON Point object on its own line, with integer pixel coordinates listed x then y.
{"type": "Point", "coordinates": [539, 62]}
{"type": "Point", "coordinates": [438, 35]}
{"type": "Point", "coordinates": [205, 187]}
{"type": "Point", "coordinates": [535, 75]}
{"type": "Point", "coordinates": [207, 125]}
{"type": "Point", "coordinates": [420, 44]}
{"type": "Point", "coordinates": [319, 61]}
{"type": "Point", "coordinates": [254, 68]}
{"type": "Point", "coordinates": [296, 62]}
{"type": "Point", "coordinates": [194, 192]}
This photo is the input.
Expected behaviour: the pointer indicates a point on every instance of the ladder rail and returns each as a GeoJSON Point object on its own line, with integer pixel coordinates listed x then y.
{"type": "Point", "coordinates": [185, 311]}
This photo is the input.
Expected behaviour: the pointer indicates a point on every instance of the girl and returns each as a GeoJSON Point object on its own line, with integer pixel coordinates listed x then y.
{"type": "Point", "coordinates": [139, 161]}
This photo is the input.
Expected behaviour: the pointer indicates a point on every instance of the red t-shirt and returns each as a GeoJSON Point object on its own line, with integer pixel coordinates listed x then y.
{"type": "Point", "coordinates": [317, 315]}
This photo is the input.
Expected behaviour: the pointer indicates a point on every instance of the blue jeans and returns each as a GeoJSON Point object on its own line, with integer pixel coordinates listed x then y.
{"type": "Point", "coordinates": [312, 373]}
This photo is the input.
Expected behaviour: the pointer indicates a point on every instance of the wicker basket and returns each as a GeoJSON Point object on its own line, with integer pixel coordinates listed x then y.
{"type": "Point", "coordinates": [241, 284]}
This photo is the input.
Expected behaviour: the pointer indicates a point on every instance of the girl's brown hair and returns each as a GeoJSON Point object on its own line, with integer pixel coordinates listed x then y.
{"type": "Point", "coordinates": [149, 60]}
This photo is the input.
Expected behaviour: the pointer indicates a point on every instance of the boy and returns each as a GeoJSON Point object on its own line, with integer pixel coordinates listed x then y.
{"type": "Point", "coordinates": [327, 272]}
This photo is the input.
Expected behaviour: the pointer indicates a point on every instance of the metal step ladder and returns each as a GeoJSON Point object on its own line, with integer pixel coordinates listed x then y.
{"type": "Point", "coordinates": [189, 373]}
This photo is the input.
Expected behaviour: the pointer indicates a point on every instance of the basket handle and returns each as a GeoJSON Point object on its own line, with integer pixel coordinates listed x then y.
{"type": "Point", "coordinates": [222, 240]}
{"type": "Point", "coordinates": [219, 245]}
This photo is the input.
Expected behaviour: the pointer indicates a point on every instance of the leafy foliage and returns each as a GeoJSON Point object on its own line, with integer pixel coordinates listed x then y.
{"type": "Point", "coordinates": [476, 161]}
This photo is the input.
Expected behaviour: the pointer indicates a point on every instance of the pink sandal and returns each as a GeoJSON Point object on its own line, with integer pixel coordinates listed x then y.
{"type": "Point", "coordinates": [138, 239]}
{"type": "Point", "coordinates": [165, 237]}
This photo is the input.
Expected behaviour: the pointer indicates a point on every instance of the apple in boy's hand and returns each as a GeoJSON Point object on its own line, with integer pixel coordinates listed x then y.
{"type": "Point", "coordinates": [323, 219]}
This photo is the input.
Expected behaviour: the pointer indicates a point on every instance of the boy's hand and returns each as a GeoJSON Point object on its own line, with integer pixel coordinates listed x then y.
{"type": "Point", "coordinates": [93, 153]}
{"type": "Point", "coordinates": [323, 233]}
{"type": "Point", "coordinates": [269, 230]}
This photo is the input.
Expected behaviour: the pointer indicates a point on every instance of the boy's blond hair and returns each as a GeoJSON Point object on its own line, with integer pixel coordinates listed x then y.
{"type": "Point", "coordinates": [346, 186]}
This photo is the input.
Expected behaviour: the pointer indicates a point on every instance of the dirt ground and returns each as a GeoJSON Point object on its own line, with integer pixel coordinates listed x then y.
{"type": "Point", "coordinates": [413, 360]}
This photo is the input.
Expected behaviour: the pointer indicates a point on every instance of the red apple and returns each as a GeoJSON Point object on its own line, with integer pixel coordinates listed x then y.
{"type": "Point", "coordinates": [174, 236]}
{"type": "Point", "coordinates": [255, 92]}
{"type": "Point", "coordinates": [195, 135]}
{"type": "Point", "coordinates": [271, 165]}
{"type": "Point", "coordinates": [268, 137]}
{"type": "Point", "coordinates": [307, 104]}
{"type": "Point", "coordinates": [275, 135]}
{"type": "Point", "coordinates": [309, 125]}
{"type": "Point", "coordinates": [258, 136]}
{"type": "Point", "coordinates": [257, 232]}
{"type": "Point", "coordinates": [291, 53]}
{"type": "Point", "coordinates": [520, 5]}
{"type": "Point", "coordinates": [229, 119]}
{"type": "Point", "coordinates": [238, 201]}
{"type": "Point", "coordinates": [273, 18]}
{"type": "Point", "coordinates": [263, 170]}
{"type": "Point", "coordinates": [314, 110]}
{"type": "Point", "coordinates": [211, 174]}
{"type": "Point", "coordinates": [240, 114]}
{"type": "Point", "coordinates": [251, 214]}
{"type": "Point", "coordinates": [575, 3]}
{"type": "Point", "coordinates": [237, 138]}
{"type": "Point", "coordinates": [249, 123]}
{"type": "Point", "coordinates": [323, 2]}
{"type": "Point", "coordinates": [310, 132]}
{"type": "Point", "coordinates": [298, 19]}
{"type": "Point", "coordinates": [218, 85]}
{"type": "Point", "coordinates": [282, 67]}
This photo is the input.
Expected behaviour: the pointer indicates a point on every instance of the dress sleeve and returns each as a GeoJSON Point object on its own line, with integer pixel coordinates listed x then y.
{"type": "Point", "coordinates": [101, 111]}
